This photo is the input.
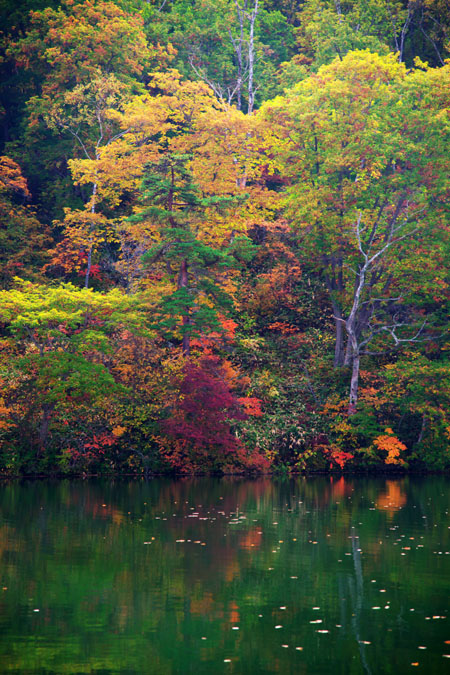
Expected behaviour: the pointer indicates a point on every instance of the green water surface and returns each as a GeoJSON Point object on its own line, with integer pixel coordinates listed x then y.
{"type": "Point", "coordinates": [310, 575]}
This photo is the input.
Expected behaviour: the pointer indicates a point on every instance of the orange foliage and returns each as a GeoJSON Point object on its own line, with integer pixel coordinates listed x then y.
{"type": "Point", "coordinates": [283, 327]}
{"type": "Point", "coordinates": [251, 405]}
{"type": "Point", "coordinates": [391, 444]}
{"type": "Point", "coordinates": [11, 179]}
{"type": "Point", "coordinates": [340, 457]}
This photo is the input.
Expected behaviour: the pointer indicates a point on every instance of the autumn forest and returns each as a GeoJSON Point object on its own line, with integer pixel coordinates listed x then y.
{"type": "Point", "coordinates": [224, 236]}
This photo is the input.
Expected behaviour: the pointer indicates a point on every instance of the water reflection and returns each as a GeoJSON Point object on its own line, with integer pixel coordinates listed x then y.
{"type": "Point", "coordinates": [393, 498]}
{"type": "Point", "coordinates": [224, 575]}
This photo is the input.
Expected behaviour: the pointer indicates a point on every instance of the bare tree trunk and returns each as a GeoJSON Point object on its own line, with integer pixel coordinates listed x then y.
{"type": "Point", "coordinates": [348, 354]}
{"type": "Point", "coordinates": [405, 30]}
{"type": "Point", "coordinates": [334, 284]}
{"type": "Point", "coordinates": [422, 429]}
{"type": "Point", "coordinates": [354, 383]}
{"type": "Point", "coordinates": [239, 55]}
{"type": "Point", "coordinates": [88, 267]}
{"type": "Point", "coordinates": [251, 57]}
{"type": "Point", "coordinates": [339, 338]}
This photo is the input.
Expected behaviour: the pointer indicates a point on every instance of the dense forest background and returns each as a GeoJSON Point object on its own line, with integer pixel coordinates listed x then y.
{"type": "Point", "coordinates": [224, 235]}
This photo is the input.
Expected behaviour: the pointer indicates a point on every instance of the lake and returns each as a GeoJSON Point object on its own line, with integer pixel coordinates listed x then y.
{"type": "Point", "coordinates": [226, 575]}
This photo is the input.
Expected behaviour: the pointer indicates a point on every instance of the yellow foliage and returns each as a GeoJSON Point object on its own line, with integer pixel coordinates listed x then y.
{"type": "Point", "coordinates": [118, 431]}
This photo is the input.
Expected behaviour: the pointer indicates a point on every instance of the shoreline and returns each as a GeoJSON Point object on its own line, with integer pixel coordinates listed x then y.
{"type": "Point", "coordinates": [395, 474]}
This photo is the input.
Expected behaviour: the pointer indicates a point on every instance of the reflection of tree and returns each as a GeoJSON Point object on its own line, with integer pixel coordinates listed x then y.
{"type": "Point", "coordinates": [393, 498]}
{"type": "Point", "coordinates": [86, 567]}
{"type": "Point", "coordinates": [352, 587]}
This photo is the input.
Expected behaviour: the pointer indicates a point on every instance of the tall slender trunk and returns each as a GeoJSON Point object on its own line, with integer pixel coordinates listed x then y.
{"type": "Point", "coordinates": [339, 339]}
{"type": "Point", "coordinates": [186, 319]}
{"type": "Point", "coordinates": [89, 255]}
{"type": "Point", "coordinates": [183, 277]}
{"type": "Point", "coordinates": [44, 427]}
{"type": "Point", "coordinates": [348, 354]}
{"type": "Point", "coordinates": [422, 429]}
{"type": "Point", "coordinates": [354, 383]}
{"type": "Point", "coordinates": [88, 265]}
{"type": "Point", "coordinates": [251, 58]}
{"type": "Point", "coordinates": [405, 31]}
{"type": "Point", "coordinates": [238, 50]}
{"type": "Point", "coordinates": [334, 284]}
{"type": "Point", "coordinates": [351, 327]}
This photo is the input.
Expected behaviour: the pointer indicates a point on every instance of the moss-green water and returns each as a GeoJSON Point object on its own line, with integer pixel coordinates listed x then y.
{"type": "Point", "coordinates": [225, 576]}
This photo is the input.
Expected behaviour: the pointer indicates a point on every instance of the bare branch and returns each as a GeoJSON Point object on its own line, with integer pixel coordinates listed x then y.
{"type": "Point", "coordinates": [77, 136]}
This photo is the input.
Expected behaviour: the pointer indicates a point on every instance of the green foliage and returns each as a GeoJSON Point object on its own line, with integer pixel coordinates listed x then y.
{"type": "Point", "coordinates": [296, 250]}
{"type": "Point", "coordinates": [174, 206]}
{"type": "Point", "coordinates": [58, 359]}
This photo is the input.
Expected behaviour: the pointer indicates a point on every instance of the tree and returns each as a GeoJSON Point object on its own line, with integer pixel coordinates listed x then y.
{"type": "Point", "coordinates": [23, 239]}
{"type": "Point", "coordinates": [198, 429]}
{"type": "Point", "coordinates": [84, 56]}
{"type": "Point", "coordinates": [232, 45]}
{"type": "Point", "coordinates": [194, 156]}
{"type": "Point", "coordinates": [368, 195]}
{"type": "Point", "coordinates": [85, 114]}
{"type": "Point", "coordinates": [60, 341]}
{"type": "Point", "coordinates": [174, 209]}
{"type": "Point", "coordinates": [65, 46]}
{"type": "Point", "coordinates": [330, 28]}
